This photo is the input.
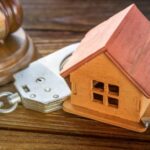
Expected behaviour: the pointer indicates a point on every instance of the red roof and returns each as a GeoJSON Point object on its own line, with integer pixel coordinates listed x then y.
{"type": "Point", "coordinates": [125, 38]}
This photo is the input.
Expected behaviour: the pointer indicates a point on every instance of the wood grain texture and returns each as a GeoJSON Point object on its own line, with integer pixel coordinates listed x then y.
{"type": "Point", "coordinates": [53, 24]}
{"type": "Point", "coordinates": [73, 15]}
{"type": "Point", "coordinates": [30, 140]}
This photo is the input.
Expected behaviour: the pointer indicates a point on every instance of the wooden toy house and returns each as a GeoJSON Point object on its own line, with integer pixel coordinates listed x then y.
{"type": "Point", "coordinates": [110, 71]}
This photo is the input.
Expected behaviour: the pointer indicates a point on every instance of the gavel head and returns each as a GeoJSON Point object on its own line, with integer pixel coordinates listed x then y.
{"type": "Point", "coordinates": [11, 16]}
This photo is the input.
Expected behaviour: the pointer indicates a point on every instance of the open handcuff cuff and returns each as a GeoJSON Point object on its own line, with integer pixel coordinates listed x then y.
{"type": "Point", "coordinates": [39, 86]}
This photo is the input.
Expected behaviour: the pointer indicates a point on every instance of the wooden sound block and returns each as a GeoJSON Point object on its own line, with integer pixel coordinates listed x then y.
{"type": "Point", "coordinates": [130, 125]}
{"type": "Point", "coordinates": [15, 53]}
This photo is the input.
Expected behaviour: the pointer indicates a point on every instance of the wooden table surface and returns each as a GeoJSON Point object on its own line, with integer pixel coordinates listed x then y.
{"type": "Point", "coordinates": [53, 24]}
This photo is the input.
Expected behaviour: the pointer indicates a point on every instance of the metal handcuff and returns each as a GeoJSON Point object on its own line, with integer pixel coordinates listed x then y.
{"type": "Point", "coordinates": [37, 85]}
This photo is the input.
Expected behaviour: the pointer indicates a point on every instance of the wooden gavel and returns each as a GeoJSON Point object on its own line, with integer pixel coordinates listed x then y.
{"type": "Point", "coordinates": [11, 17]}
{"type": "Point", "coordinates": [16, 47]}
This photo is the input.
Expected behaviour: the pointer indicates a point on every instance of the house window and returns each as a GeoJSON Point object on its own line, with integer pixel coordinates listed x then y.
{"type": "Point", "coordinates": [107, 94]}
{"type": "Point", "coordinates": [98, 85]}
{"type": "Point", "coordinates": [113, 89]}
{"type": "Point", "coordinates": [113, 102]}
{"type": "Point", "coordinates": [98, 97]}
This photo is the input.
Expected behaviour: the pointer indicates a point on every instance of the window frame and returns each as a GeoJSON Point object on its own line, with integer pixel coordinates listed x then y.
{"type": "Point", "coordinates": [106, 94]}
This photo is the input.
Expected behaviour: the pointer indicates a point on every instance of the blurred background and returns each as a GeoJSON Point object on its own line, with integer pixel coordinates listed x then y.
{"type": "Point", "coordinates": [74, 15]}
{"type": "Point", "coordinates": [50, 21]}
{"type": "Point", "coordinates": [61, 22]}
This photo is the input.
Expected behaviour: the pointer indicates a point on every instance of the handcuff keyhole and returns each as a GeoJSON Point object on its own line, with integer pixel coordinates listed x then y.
{"type": "Point", "coordinates": [26, 88]}
{"type": "Point", "coordinates": [40, 80]}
